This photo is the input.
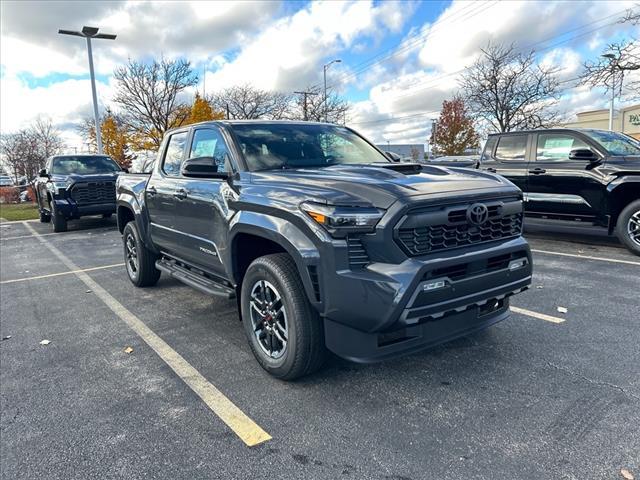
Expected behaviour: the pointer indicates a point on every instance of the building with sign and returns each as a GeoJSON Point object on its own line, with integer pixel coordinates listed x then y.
{"type": "Point", "coordinates": [626, 120]}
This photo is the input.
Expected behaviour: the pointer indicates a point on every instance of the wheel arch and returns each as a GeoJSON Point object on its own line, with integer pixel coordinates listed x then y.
{"type": "Point", "coordinates": [256, 234]}
{"type": "Point", "coordinates": [622, 192]}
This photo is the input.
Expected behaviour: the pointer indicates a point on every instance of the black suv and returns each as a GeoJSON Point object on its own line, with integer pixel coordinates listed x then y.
{"type": "Point", "coordinates": [73, 186]}
{"type": "Point", "coordinates": [324, 241]}
{"type": "Point", "coordinates": [578, 175]}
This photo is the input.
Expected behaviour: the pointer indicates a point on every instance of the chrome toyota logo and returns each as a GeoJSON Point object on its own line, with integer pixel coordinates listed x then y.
{"type": "Point", "coordinates": [477, 214]}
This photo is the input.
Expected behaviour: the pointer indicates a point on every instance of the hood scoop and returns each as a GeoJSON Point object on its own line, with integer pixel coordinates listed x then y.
{"type": "Point", "coordinates": [404, 168]}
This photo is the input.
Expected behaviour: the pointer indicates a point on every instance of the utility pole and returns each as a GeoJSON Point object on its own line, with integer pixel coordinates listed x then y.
{"type": "Point", "coordinates": [304, 103]}
{"type": "Point", "coordinates": [89, 33]}
{"type": "Point", "coordinates": [324, 68]}
{"type": "Point", "coordinates": [612, 62]}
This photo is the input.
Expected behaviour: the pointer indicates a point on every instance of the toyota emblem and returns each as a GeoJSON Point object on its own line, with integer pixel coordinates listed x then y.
{"type": "Point", "coordinates": [477, 214]}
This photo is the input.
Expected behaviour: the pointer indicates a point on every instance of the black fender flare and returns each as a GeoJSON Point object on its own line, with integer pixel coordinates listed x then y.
{"type": "Point", "coordinates": [128, 201]}
{"type": "Point", "coordinates": [282, 232]}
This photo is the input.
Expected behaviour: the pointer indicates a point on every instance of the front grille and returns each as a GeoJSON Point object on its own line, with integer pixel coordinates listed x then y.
{"type": "Point", "coordinates": [445, 228]}
{"type": "Point", "coordinates": [94, 193]}
{"type": "Point", "coordinates": [358, 257]}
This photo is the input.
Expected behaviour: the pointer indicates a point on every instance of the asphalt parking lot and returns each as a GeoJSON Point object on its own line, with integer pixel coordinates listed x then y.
{"type": "Point", "coordinates": [543, 395]}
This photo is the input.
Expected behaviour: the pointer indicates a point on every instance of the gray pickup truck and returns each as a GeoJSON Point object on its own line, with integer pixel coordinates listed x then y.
{"type": "Point", "coordinates": [325, 242]}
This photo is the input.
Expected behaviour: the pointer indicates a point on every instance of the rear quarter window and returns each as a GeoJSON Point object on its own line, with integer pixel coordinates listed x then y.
{"type": "Point", "coordinates": [488, 148]}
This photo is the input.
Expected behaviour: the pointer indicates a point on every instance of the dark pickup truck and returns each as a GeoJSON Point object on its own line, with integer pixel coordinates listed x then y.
{"type": "Point", "coordinates": [324, 241]}
{"type": "Point", "coordinates": [73, 186]}
{"type": "Point", "coordinates": [589, 176]}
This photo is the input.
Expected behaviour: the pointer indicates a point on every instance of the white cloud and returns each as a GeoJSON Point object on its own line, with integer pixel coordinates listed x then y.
{"type": "Point", "coordinates": [289, 54]}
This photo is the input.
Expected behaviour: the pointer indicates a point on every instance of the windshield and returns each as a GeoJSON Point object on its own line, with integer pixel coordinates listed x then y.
{"type": "Point", "coordinates": [617, 144]}
{"type": "Point", "coordinates": [83, 165]}
{"type": "Point", "coordinates": [277, 146]}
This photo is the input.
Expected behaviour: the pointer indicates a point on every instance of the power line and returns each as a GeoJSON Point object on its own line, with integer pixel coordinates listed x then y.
{"type": "Point", "coordinates": [527, 47]}
{"type": "Point", "coordinates": [417, 39]}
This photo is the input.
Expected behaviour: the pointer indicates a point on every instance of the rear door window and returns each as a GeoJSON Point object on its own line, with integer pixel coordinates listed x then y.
{"type": "Point", "coordinates": [174, 154]}
{"type": "Point", "coordinates": [512, 147]}
{"type": "Point", "coordinates": [555, 147]}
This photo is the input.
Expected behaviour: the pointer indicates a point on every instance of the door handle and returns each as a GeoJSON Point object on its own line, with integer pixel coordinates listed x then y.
{"type": "Point", "coordinates": [491, 169]}
{"type": "Point", "coordinates": [180, 194]}
{"type": "Point", "coordinates": [537, 171]}
{"type": "Point", "coordinates": [152, 190]}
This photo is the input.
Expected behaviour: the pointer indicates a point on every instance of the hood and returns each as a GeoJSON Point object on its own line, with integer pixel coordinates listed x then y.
{"type": "Point", "coordinates": [379, 185]}
{"type": "Point", "coordinates": [78, 178]}
{"type": "Point", "coordinates": [618, 166]}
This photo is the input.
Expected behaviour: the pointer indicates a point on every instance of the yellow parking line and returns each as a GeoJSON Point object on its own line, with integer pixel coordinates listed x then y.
{"type": "Point", "coordinates": [245, 428]}
{"type": "Point", "coordinates": [539, 316]}
{"type": "Point", "coordinates": [573, 255]}
{"type": "Point", "coordinates": [38, 277]}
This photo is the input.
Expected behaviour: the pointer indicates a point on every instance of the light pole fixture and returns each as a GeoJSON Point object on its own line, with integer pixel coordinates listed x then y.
{"type": "Point", "coordinates": [89, 33]}
{"type": "Point", "coordinates": [324, 68]}
{"type": "Point", "coordinates": [612, 62]}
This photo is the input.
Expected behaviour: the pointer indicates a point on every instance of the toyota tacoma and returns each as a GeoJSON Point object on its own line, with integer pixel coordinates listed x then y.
{"type": "Point", "coordinates": [325, 243]}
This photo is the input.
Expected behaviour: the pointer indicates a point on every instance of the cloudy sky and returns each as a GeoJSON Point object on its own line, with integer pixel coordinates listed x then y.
{"type": "Point", "coordinates": [399, 59]}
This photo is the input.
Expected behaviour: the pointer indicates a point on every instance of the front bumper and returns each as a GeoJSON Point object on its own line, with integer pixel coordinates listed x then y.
{"type": "Point", "coordinates": [387, 310]}
{"type": "Point", "coordinates": [70, 209]}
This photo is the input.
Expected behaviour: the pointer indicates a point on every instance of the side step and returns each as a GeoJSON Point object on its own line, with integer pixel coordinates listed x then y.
{"type": "Point", "coordinates": [194, 278]}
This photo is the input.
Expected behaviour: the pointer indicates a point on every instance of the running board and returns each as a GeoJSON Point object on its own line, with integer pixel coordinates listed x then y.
{"type": "Point", "coordinates": [194, 279]}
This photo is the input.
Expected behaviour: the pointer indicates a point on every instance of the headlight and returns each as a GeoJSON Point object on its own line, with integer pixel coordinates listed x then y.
{"type": "Point", "coordinates": [339, 220]}
{"type": "Point", "coordinates": [59, 188]}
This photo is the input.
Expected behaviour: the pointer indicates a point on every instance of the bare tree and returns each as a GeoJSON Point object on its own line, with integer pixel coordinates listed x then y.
{"type": "Point", "coordinates": [610, 71]}
{"type": "Point", "coordinates": [245, 102]}
{"type": "Point", "coordinates": [26, 151]}
{"type": "Point", "coordinates": [148, 95]}
{"type": "Point", "coordinates": [510, 91]}
{"type": "Point", "coordinates": [632, 16]}
{"type": "Point", "coordinates": [312, 107]}
{"type": "Point", "coordinates": [48, 138]}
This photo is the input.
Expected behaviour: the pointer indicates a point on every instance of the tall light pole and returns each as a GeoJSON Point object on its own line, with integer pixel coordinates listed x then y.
{"type": "Point", "coordinates": [611, 58]}
{"type": "Point", "coordinates": [324, 68]}
{"type": "Point", "coordinates": [89, 33]}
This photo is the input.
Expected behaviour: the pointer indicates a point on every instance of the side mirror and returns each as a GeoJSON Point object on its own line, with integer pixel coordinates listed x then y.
{"type": "Point", "coordinates": [202, 167]}
{"type": "Point", "coordinates": [43, 173]}
{"type": "Point", "coordinates": [394, 157]}
{"type": "Point", "coordinates": [583, 154]}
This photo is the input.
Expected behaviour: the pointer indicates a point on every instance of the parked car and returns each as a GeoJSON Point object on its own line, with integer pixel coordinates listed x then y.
{"type": "Point", "coordinates": [6, 181]}
{"type": "Point", "coordinates": [465, 161]}
{"type": "Point", "coordinates": [573, 174]}
{"type": "Point", "coordinates": [74, 186]}
{"type": "Point", "coordinates": [324, 241]}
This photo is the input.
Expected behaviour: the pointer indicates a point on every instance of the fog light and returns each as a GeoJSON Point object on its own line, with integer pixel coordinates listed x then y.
{"type": "Point", "coordinates": [434, 285]}
{"type": "Point", "coordinates": [517, 264]}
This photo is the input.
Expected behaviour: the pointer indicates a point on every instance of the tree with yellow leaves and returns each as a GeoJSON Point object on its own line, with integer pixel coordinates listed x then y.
{"type": "Point", "coordinates": [201, 111]}
{"type": "Point", "coordinates": [116, 140]}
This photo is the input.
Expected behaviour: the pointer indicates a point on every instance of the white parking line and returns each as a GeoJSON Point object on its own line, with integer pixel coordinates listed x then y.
{"type": "Point", "coordinates": [245, 428]}
{"type": "Point", "coordinates": [38, 277]}
{"type": "Point", "coordinates": [539, 316]}
{"type": "Point", "coordinates": [587, 257]}
{"type": "Point", "coordinates": [17, 237]}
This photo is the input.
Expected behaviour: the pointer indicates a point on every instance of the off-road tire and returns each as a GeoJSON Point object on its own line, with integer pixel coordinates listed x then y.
{"type": "Point", "coordinates": [45, 217]}
{"type": "Point", "coordinates": [145, 274]}
{"type": "Point", "coordinates": [305, 351]}
{"type": "Point", "coordinates": [58, 221]}
{"type": "Point", "coordinates": [623, 226]}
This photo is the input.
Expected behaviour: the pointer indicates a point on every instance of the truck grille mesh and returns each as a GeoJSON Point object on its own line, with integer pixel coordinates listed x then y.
{"type": "Point", "coordinates": [456, 231]}
{"type": "Point", "coordinates": [94, 193]}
